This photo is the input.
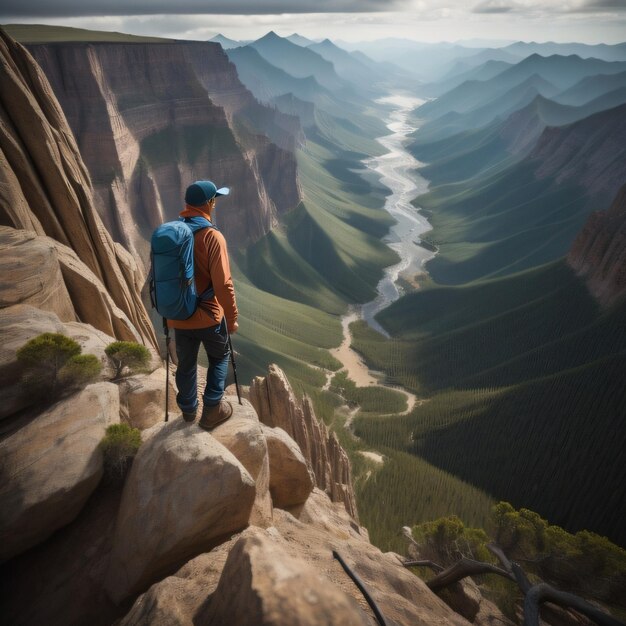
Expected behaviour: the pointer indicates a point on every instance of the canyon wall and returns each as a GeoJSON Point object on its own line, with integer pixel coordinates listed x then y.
{"type": "Point", "coordinates": [599, 252]}
{"type": "Point", "coordinates": [149, 119]}
{"type": "Point", "coordinates": [45, 190]}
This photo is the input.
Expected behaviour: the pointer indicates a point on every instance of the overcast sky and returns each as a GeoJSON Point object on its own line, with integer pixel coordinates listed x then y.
{"type": "Point", "coordinates": [591, 21]}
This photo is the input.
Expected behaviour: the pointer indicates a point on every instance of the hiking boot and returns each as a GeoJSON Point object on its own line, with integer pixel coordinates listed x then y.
{"type": "Point", "coordinates": [189, 417]}
{"type": "Point", "coordinates": [214, 415]}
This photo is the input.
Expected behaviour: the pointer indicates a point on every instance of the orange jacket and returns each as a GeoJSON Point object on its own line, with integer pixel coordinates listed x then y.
{"type": "Point", "coordinates": [211, 267]}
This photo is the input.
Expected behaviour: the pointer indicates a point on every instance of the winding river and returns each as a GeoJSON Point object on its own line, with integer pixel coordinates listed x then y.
{"type": "Point", "coordinates": [397, 170]}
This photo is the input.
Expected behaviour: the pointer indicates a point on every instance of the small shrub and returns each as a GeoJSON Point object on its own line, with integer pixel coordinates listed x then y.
{"type": "Point", "coordinates": [53, 364]}
{"type": "Point", "coordinates": [127, 354]}
{"type": "Point", "coordinates": [447, 539]}
{"type": "Point", "coordinates": [80, 370]}
{"type": "Point", "coordinates": [119, 446]}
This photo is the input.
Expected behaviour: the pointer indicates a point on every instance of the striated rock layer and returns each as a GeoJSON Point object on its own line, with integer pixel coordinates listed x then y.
{"type": "Point", "coordinates": [277, 406]}
{"type": "Point", "coordinates": [151, 118]}
{"type": "Point", "coordinates": [599, 252]}
{"type": "Point", "coordinates": [45, 189]}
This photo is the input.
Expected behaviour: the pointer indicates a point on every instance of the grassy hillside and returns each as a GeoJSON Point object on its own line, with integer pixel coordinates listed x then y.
{"type": "Point", "coordinates": [500, 224]}
{"type": "Point", "coordinates": [40, 33]}
{"type": "Point", "coordinates": [327, 252]}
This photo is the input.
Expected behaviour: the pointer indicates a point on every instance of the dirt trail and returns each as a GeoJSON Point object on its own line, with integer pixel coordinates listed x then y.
{"type": "Point", "coordinates": [358, 370]}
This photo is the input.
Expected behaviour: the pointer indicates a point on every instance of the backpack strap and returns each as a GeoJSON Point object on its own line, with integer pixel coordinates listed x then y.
{"type": "Point", "coordinates": [197, 223]}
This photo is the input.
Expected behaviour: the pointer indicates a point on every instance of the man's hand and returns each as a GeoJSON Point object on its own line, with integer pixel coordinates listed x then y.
{"type": "Point", "coordinates": [233, 329]}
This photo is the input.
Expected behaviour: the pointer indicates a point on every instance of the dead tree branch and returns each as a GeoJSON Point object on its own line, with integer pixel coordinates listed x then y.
{"type": "Point", "coordinates": [424, 563]}
{"type": "Point", "coordinates": [463, 568]}
{"type": "Point", "coordinates": [546, 593]}
{"type": "Point", "coordinates": [535, 595]}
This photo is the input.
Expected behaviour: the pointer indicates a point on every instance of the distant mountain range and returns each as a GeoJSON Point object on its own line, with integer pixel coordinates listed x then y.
{"type": "Point", "coordinates": [560, 72]}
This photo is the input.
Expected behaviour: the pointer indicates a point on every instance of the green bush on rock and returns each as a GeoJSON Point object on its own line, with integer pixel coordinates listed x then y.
{"type": "Point", "coordinates": [119, 446]}
{"type": "Point", "coordinates": [127, 354]}
{"type": "Point", "coordinates": [53, 365]}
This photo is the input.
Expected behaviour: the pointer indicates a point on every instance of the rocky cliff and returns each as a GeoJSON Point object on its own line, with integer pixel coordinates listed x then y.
{"type": "Point", "coordinates": [151, 118]}
{"type": "Point", "coordinates": [599, 252]}
{"type": "Point", "coordinates": [220, 527]}
{"type": "Point", "coordinates": [277, 406]}
{"type": "Point", "coordinates": [56, 253]}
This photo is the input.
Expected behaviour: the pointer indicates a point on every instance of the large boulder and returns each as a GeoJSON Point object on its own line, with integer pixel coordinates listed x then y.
{"type": "Point", "coordinates": [50, 466]}
{"type": "Point", "coordinates": [142, 399]}
{"type": "Point", "coordinates": [244, 436]}
{"type": "Point", "coordinates": [262, 584]}
{"type": "Point", "coordinates": [291, 478]}
{"type": "Point", "coordinates": [185, 493]}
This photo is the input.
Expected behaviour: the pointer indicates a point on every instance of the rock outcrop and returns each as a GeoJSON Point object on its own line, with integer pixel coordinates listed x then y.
{"type": "Point", "coordinates": [237, 575]}
{"type": "Point", "coordinates": [186, 493]}
{"type": "Point", "coordinates": [142, 399]}
{"type": "Point", "coordinates": [46, 274]}
{"type": "Point", "coordinates": [151, 118]}
{"type": "Point", "coordinates": [277, 406]}
{"type": "Point", "coordinates": [275, 588]}
{"type": "Point", "coordinates": [243, 435]}
{"type": "Point", "coordinates": [599, 252]}
{"type": "Point", "coordinates": [45, 189]}
{"type": "Point", "coordinates": [291, 478]}
{"type": "Point", "coordinates": [51, 465]}
{"type": "Point", "coordinates": [197, 533]}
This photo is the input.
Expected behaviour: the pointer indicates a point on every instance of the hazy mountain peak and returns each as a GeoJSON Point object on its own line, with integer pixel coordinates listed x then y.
{"type": "Point", "coordinates": [299, 40]}
{"type": "Point", "coordinates": [225, 42]}
{"type": "Point", "coordinates": [271, 36]}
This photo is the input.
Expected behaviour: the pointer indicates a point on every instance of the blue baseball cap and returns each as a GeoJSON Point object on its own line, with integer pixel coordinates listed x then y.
{"type": "Point", "coordinates": [200, 192]}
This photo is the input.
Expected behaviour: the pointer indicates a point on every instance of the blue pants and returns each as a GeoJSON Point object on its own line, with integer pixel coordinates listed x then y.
{"type": "Point", "coordinates": [215, 342]}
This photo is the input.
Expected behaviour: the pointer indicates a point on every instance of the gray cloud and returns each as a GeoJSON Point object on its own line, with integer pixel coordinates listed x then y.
{"type": "Point", "coordinates": [493, 6]}
{"type": "Point", "coordinates": [73, 8]}
{"type": "Point", "coordinates": [599, 5]}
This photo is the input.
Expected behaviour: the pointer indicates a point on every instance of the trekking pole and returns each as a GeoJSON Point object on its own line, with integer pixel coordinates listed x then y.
{"type": "Point", "coordinates": [166, 330]}
{"type": "Point", "coordinates": [232, 360]}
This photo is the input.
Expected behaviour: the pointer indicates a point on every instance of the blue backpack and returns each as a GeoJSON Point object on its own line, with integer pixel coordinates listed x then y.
{"type": "Point", "coordinates": [172, 284]}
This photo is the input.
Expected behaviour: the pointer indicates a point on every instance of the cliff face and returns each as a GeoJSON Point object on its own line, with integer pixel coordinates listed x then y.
{"type": "Point", "coordinates": [590, 152]}
{"type": "Point", "coordinates": [45, 189]}
{"type": "Point", "coordinates": [276, 405]}
{"type": "Point", "coordinates": [150, 119]}
{"type": "Point", "coordinates": [599, 252]}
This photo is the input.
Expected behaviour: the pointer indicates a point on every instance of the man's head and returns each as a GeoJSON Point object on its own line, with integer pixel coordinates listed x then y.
{"type": "Point", "coordinates": [203, 192]}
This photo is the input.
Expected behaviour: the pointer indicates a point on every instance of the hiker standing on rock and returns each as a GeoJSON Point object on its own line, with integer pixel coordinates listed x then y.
{"type": "Point", "coordinates": [215, 316]}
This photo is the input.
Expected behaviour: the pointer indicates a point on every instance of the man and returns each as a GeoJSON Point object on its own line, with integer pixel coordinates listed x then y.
{"type": "Point", "coordinates": [214, 318]}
